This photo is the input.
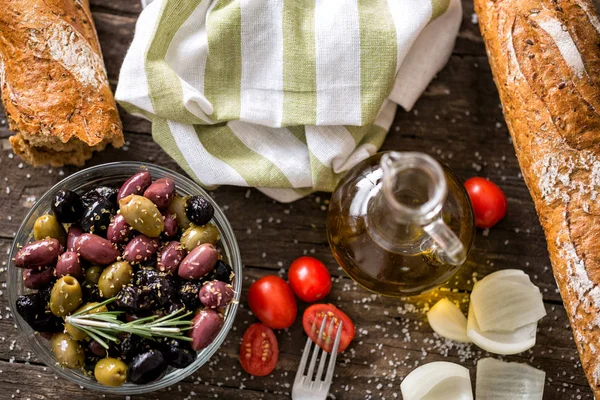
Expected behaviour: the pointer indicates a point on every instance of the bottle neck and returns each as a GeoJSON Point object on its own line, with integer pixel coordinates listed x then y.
{"type": "Point", "coordinates": [411, 195]}
{"type": "Point", "coordinates": [413, 186]}
{"type": "Point", "coordinates": [395, 235]}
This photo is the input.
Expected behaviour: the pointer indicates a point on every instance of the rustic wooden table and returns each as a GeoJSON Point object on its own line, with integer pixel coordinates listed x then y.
{"type": "Point", "coordinates": [459, 119]}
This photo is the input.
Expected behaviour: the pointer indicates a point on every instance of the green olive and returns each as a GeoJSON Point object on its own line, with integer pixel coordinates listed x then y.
{"type": "Point", "coordinates": [195, 235]}
{"type": "Point", "coordinates": [65, 296]}
{"type": "Point", "coordinates": [114, 277]}
{"type": "Point", "coordinates": [67, 351]}
{"type": "Point", "coordinates": [47, 226]}
{"type": "Point", "coordinates": [177, 208]}
{"type": "Point", "coordinates": [78, 334]}
{"type": "Point", "coordinates": [92, 274]}
{"type": "Point", "coordinates": [110, 372]}
{"type": "Point", "coordinates": [142, 214]}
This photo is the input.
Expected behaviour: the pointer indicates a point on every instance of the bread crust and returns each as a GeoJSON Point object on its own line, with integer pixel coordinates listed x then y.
{"type": "Point", "coordinates": [545, 59]}
{"type": "Point", "coordinates": [54, 86]}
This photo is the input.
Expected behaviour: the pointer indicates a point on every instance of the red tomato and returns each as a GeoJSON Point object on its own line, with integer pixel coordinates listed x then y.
{"type": "Point", "coordinates": [272, 301]}
{"type": "Point", "coordinates": [309, 279]}
{"type": "Point", "coordinates": [489, 203]}
{"type": "Point", "coordinates": [312, 319]}
{"type": "Point", "coordinates": [259, 350]}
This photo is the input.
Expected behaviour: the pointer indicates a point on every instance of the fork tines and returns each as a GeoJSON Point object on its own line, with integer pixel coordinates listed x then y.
{"type": "Point", "coordinates": [305, 385]}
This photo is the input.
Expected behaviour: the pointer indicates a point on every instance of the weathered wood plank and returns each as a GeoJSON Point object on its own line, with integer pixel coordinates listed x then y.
{"type": "Point", "coordinates": [392, 338]}
{"type": "Point", "coordinates": [458, 119]}
{"type": "Point", "coordinates": [42, 384]}
{"type": "Point", "coordinates": [117, 7]}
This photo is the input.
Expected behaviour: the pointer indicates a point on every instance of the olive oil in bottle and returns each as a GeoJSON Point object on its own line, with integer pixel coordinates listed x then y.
{"type": "Point", "coordinates": [400, 223]}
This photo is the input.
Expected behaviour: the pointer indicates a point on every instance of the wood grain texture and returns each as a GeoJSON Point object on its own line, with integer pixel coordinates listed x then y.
{"type": "Point", "coordinates": [459, 119]}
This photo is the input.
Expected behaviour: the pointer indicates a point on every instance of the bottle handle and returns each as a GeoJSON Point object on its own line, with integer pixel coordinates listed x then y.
{"type": "Point", "coordinates": [452, 250]}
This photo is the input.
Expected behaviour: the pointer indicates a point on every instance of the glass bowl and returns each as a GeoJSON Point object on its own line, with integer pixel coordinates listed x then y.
{"type": "Point", "coordinates": [114, 174]}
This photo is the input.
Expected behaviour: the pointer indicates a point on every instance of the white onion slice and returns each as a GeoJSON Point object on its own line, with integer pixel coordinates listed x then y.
{"type": "Point", "coordinates": [505, 343]}
{"type": "Point", "coordinates": [446, 319]}
{"type": "Point", "coordinates": [438, 380]}
{"type": "Point", "coordinates": [506, 300]}
{"type": "Point", "coordinates": [513, 275]}
{"type": "Point", "coordinates": [497, 380]}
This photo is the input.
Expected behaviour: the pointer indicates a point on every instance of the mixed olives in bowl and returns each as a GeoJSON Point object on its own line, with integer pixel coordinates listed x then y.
{"type": "Point", "coordinates": [134, 242]}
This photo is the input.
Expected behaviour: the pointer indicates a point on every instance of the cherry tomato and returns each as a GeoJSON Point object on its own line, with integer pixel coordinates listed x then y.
{"type": "Point", "coordinates": [259, 350]}
{"type": "Point", "coordinates": [309, 279]}
{"type": "Point", "coordinates": [313, 318]}
{"type": "Point", "coordinates": [489, 203]}
{"type": "Point", "coordinates": [272, 301]}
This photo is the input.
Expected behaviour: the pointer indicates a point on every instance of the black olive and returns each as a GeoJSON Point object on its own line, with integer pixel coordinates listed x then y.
{"type": "Point", "coordinates": [146, 367]}
{"type": "Point", "coordinates": [67, 206]}
{"type": "Point", "coordinates": [136, 298]}
{"type": "Point", "coordinates": [91, 292]}
{"type": "Point", "coordinates": [105, 192]}
{"type": "Point", "coordinates": [128, 298]}
{"type": "Point", "coordinates": [33, 309]}
{"type": "Point", "coordinates": [146, 301]}
{"type": "Point", "coordinates": [188, 294]}
{"type": "Point", "coordinates": [48, 323]}
{"type": "Point", "coordinates": [199, 210]}
{"type": "Point", "coordinates": [179, 354]}
{"type": "Point", "coordinates": [45, 295]}
{"type": "Point", "coordinates": [130, 346]}
{"type": "Point", "coordinates": [157, 284]}
{"type": "Point", "coordinates": [97, 216]}
{"type": "Point", "coordinates": [222, 272]}
{"type": "Point", "coordinates": [90, 362]}
{"type": "Point", "coordinates": [163, 290]}
{"type": "Point", "coordinates": [172, 307]}
{"type": "Point", "coordinates": [145, 277]}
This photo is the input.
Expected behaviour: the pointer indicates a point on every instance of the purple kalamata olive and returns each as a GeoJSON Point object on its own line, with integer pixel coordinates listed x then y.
{"type": "Point", "coordinates": [140, 249]}
{"type": "Point", "coordinates": [205, 328]}
{"type": "Point", "coordinates": [198, 262]}
{"type": "Point", "coordinates": [161, 192]}
{"type": "Point", "coordinates": [43, 252]}
{"type": "Point", "coordinates": [119, 230]}
{"type": "Point", "coordinates": [171, 226]}
{"type": "Point", "coordinates": [97, 349]}
{"type": "Point", "coordinates": [38, 278]}
{"type": "Point", "coordinates": [95, 249]}
{"type": "Point", "coordinates": [72, 236]}
{"type": "Point", "coordinates": [68, 264]}
{"type": "Point", "coordinates": [135, 185]}
{"type": "Point", "coordinates": [170, 257]}
{"type": "Point", "coordinates": [216, 294]}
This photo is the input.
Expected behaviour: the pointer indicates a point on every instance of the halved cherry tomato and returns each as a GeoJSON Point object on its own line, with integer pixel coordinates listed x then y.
{"type": "Point", "coordinates": [309, 279]}
{"type": "Point", "coordinates": [489, 202]}
{"type": "Point", "coordinates": [259, 350]}
{"type": "Point", "coordinates": [313, 318]}
{"type": "Point", "coordinates": [272, 301]}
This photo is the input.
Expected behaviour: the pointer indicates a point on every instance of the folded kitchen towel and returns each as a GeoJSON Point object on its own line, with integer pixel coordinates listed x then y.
{"type": "Point", "coordinates": [281, 95]}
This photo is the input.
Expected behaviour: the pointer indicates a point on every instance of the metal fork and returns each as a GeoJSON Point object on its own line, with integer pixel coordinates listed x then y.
{"type": "Point", "coordinates": [304, 387]}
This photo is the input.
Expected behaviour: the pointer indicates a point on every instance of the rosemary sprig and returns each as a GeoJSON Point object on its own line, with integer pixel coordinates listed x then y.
{"type": "Point", "coordinates": [104, 326]}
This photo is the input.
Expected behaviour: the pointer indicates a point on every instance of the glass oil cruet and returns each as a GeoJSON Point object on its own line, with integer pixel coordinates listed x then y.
{"type": "Point", "coordinates": [400, 223]}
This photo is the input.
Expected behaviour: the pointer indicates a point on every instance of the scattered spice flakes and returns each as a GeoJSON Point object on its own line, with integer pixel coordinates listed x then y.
{"type": "Point", "coordinates": [398, 341]}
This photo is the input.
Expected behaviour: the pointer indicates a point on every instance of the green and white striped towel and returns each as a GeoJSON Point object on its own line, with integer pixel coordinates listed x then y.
{"type": "Point", "coordinates": [282, 95]}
